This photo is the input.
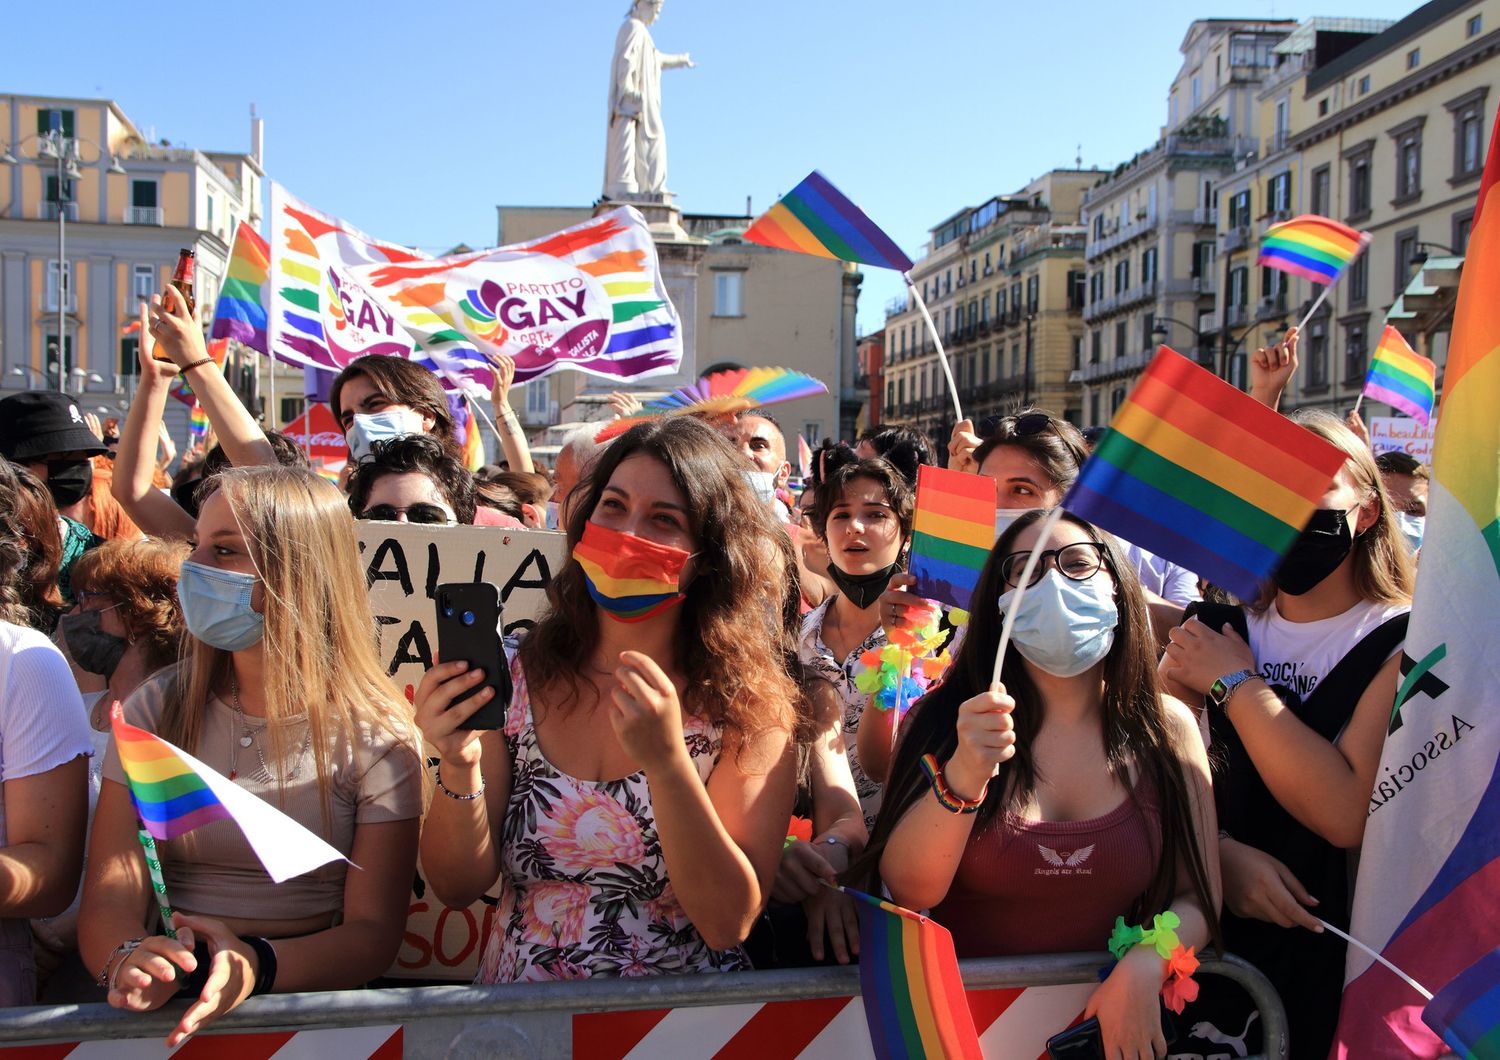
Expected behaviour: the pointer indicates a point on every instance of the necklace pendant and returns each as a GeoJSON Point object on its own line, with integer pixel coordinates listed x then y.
{"type": "Point", "coordinates": [245, 740]}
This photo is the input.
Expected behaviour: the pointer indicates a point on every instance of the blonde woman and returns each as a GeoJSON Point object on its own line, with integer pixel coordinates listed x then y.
{"type": "Point", "coordinates": [1298, 688]}
{"type": "Point", "coordinates": [281, 691]}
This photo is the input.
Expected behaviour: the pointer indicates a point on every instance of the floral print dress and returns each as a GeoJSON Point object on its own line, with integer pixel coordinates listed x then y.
{"type": "Point", "coordinates": [586, 890]}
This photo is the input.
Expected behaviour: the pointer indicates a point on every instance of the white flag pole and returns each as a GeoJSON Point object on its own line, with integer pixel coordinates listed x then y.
{"type": "Point", "coordinates": [1048, 525]}
{"type": "Point", "coordinates": [1418, 987]}
{"type": "Point", "coordinates": [938, 342]}
{"type": "Point", "coordinates": [1322, 296]}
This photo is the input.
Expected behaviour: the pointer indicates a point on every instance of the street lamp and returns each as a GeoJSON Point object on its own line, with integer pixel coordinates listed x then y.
{"type": "Point", "coordinates": [1419, 253]}
{"type": "Point", "coordinates": [1226, 348]}
{"type": "Point", "coordinates": [65, 153]}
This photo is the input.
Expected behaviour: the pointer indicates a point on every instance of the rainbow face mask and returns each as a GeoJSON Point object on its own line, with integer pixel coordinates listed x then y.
{"type": "Point", "coordinates": [629, 577]}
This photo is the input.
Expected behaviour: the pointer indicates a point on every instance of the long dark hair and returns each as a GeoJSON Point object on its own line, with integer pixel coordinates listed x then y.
{"type": "Point", "coordinates": [734, 625]}
{"type": "Point", "coordinates": [1136, 728]}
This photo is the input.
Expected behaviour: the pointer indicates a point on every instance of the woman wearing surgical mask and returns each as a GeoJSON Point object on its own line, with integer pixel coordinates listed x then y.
{"type": "Point", "coordinates": [377, 399]}
{"type": "Point", "coordinates": [282, 692]}
{"type": "Point", "coordinates": [1029, 815]}
{"type": "Point", "coordinates": [636, 802]}
{"type": "Point", "coordinates": [1298, 689]}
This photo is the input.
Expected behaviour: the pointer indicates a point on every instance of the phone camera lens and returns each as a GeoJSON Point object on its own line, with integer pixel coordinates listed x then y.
{"type": "Point", "coordinates": [447, 610]}
{"type": "Point", "coordinates": [468, 618]}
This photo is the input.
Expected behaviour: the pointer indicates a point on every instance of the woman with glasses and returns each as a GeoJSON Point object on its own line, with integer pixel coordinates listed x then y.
{"type": "Point", "coordinates": [283, 693]}
{"type": "Point", "coordinates": [1029, 815]}
{"type": "Point", "coordinates": [412, 479]}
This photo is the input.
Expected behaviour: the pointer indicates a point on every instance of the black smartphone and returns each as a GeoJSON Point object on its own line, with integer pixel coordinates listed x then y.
{"type": "Point", "coordinates": [1084, 1042]}
{"type": "Point", "coordinates": [468, 629]}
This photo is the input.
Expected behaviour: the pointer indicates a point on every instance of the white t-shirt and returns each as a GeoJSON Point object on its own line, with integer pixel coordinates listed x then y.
{"type": "Point", "coordinates": [1292, 657]}
{"type": "Point", "coordinates": [42, 721]}
{"type": "Point", "coordinates": [1174, 584]}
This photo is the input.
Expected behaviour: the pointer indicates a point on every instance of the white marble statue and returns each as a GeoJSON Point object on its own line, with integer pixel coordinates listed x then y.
{"type": "Point", "coordinates": [635, 161]}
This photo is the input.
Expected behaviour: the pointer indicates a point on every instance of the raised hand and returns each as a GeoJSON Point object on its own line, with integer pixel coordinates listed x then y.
{"type": "Point", "coordinates": [961, 446]}
{"type": "Point", "coordinates": [504, 376]}
{"type": "Point", "coordinates": [986, 738]}
{"type": "Point", "coordinates": [178, 332]}
{"type": "Point", "coordinates": [154, 370]}
{"type": "Point", "coordinates": [1271, 367]}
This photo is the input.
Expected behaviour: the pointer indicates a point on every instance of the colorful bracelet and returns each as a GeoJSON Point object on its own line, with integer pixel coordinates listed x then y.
{"type": "Point", "coordinates": [185, 369]}
{"type": "Point", "coordinates": [1178, 987]}
{"type": "Point", "coordinates": [945, 796]}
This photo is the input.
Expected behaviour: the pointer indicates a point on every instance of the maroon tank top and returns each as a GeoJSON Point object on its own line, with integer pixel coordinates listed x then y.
{"type": "Point", "coordinates": [1051, 886]}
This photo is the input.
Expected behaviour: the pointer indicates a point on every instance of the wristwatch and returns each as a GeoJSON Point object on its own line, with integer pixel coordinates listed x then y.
{"type": "Point", "coordinates": [1223, 688]}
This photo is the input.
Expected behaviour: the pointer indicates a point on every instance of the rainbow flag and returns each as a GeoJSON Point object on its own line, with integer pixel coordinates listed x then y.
{"type": "Point", "coordinates": [175, 793]}
{"type": "Point", "coordinates": [1312, 247]}
{"type": "Point", "coordinates": [1429, 867]}
{"type": "Point", "coordinates": [180, 389]}
{"type": "Point", "coordinates": [198, 422]}
{"type": "Point", "coordinates": [473, 448]}
{"type": "Point", "coordinates": [240, 312]}
{"type": "Point", "coordinates": [1204, 475]}
{"type": "Point", "coordinates": [952, 533]}
{"type": "Point", "coordinates": [1466, 1012]}
{"type": "Point", "coordinates": [1402, 377]}
{"type": "Point", "coordinates": [816, 218]}
{"type": "Point", "coordinates": [908, 977]}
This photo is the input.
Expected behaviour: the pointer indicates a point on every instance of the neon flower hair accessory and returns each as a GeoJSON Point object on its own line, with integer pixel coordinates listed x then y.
{"type": "Point", "coordinates": [629, 577]}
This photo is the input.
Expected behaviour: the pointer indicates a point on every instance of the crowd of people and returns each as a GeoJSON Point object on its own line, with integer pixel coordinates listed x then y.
{"type": "Point", "coordinates": [1152, 753]}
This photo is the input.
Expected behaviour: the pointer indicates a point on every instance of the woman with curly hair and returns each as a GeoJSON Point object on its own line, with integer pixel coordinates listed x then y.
{"type": "Point", "coordinates": [636, 803]}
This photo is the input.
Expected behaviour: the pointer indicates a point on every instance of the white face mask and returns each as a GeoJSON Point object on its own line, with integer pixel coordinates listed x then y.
{"type": "Point", "coordinates": [1064, 626]}
{"type": "Point", "coordinates": [762, 484]}
{"type": "Point", "coordinates": [551, 515]}
{"type": "Point", "coordinates": [1004, 517]}
{"type": "Point", "coordinates": [369, 428]}
{"type": "Point", "coordinates": [1412, 528]}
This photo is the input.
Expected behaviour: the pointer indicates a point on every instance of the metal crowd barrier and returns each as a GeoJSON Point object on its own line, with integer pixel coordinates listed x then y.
{"type": "Point", "coordinates": [535, 1020]}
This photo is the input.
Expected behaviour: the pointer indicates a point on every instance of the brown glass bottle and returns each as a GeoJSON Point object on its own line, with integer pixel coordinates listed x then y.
{"type": "Point", "coordinates": [182, 277]}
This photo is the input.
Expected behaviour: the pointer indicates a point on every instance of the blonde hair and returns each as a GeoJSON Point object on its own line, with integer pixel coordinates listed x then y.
{"type": "Point", "coordinates": [1383, 571]}
{"type": "Point", "coordinates": [320, 646]}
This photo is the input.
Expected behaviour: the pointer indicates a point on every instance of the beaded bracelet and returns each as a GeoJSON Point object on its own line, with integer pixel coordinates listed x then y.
{"type": "Point", "coordinates": [106, 976]}
{"type": "Point", "coordinates": [945, 796]}
{"type": "Point", "coordinates": [455, 795]}
{"type": "Point", "coordinates": [185, 369]}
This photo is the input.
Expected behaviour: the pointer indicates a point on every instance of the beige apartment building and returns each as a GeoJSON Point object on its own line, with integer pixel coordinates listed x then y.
{"type": "Point", "coordinates": [1004, 284]}
{"type": "Point", "coordinates": [128, 206]}
{"type": "Point", "coordinates": [1151, 223]}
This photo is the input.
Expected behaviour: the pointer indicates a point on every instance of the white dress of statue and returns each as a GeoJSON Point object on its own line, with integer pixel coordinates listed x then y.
{"type": "Point", "coordinates": [635, 161]}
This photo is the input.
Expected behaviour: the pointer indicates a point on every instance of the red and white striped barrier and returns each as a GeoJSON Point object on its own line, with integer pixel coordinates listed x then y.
{"type": "Point", "coordinates": [343, 1043]}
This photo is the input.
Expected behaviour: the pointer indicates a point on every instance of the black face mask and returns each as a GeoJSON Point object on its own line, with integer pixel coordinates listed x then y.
{"type": "Point", "coordinates": [1317, 553]}
{"type": "Point", "coordinates": [862, 590]}
{"type": "Point", "coordinates": [93, 649]}
{"type": "Point", "coordinates": [69, 480]}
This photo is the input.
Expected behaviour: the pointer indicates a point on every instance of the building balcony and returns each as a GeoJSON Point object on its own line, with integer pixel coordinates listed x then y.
{"type": "Point", "coordinates": [1119, 234]}
{"type": "Point", "coordinates": [1206, 215]}
{"type": "Point", "coordinates": [1205, 284]}
{"type": "Point", "coordinates": [1112, 367]}
{"type": "Point", "coordinates": [1279, 140]}
{"type": "Point", "coordinates": [1271, 307]}
{"type": "Point", "coordinates": [1237, 316]}
{"type": "Point", "coordinates": [143, 215]}
{"type": "Point", "coordinates": [1233, 239]}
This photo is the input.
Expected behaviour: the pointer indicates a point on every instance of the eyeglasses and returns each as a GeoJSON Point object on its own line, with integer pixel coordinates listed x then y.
{"type": "Point", "coordinates": [1079, 561]}
{"type": "Point", "coordinates": [415, 513]}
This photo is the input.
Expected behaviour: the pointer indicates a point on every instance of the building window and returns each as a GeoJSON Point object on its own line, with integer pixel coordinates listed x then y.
{"type": "Point", "coordinates": [1121, 340]}
{"type": "Point", "coordinates": [948, 282]}
{"type": "Point", "coordinates": [1354, 352]}
{"type": "Point", "coordinates": [1033, 293]}
{"type": "Point", "coordinates": [1000, 306]}
{"type": "Point", "coordinates": [1468, 134]}
{"type": "Point", "coordinates": [1358, 161]}
{"type": "Point", "coordinates": [1148, 265]}
{"type": "Point", "coordinates": [49, 119]}
{"type": "Point", "coordinates": [1116, 399]}
{"type": "Point", "coordinates": [1239, 210]}
{"type": "Point", "coordinates": [1317, 355]}
{"type": "Point", "coordinates": [1272, 282]}
{"type": "Point", "coordinates": [1414, 58]}
{"type": "Point", "coordinates": [49, 346]}
{"type": "Point", "coordinates": [1279, 193]}
{"type": "Point", "coordinates": [1075, 289]}
{"type": "Point", "coordinates": [1203, 259]}
{"type": "Point", "coordinates": [1238, 293]}
{"type": "Point", "coordinates": [1077, 352]}
{"type": "Point", "coordinates": [1197, 91]}
{"type": "Point", "coordinates": [144, 206]}
{"type": "Point", "coordinates": [1122, 276]}
{"type": "Point", "coordinates": [1148, 325]}
{"type": "Point", "coordinates": [1015, 299]}
{"type": "Point", "coordinates": [729, 293]}
{"type": "Point", "coordinates": [130, 355]}
{"type": "Point", "coordinates": [987, 268]}
{"type": "Point", "coordinates": [1096, 346]}
{"type": "Point", "coordinates": [1321, 186]}
{"type": "Point", "coordinates": [1463, 224]}
{"type": "Point", "coordinates": [1323, 107]}
{"type": "Point", "coordinates": [1094, 408]}
{"type": "Point", "coordinates": [1359, 280]}
{"type": "Point", "coordinates": [1364, 84]}
{"type": "Point", "coordinates": [1406, 250]}
{"type": "Point", "coordinates": [1473, 26]}
{"type": "Point", "coordinates": [1408, 137]}
{"type": "Point", "coordinates": [50, 300]}
{"type": "Point", "coordinates": [142, 285]}
{"type": "Point", "coordinates": [1015, 359]}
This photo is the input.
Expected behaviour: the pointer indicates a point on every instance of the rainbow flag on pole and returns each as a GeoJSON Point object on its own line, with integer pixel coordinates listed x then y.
{"type": "Point", "coordinates": [240, 313]}
{"type": "Point", "coordinates": [1402, 377]}
{"type": "Point", "coordinates": [1312, 247]}
{"type": "Point", "coordinates": [952, 533]}
{"type": "Point", "coordinates": [1204, 475]}
{"type": "Point", "coordinates": [1429, 868]}
{"type": "Point", "coordinates": [175, 793]}
{"type": "Point", "coordinates": [908, 976]}
{"type": "Point", "coordinates": [816, 218]}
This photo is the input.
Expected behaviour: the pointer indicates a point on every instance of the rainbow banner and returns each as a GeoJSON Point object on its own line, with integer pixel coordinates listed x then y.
{"type": "Point", "coordinates": [1466, 1012]}
{"type": "Point", "coordinates": [953, 531]}
{"type": "Point", "coordinates": [1313, 247]}
{"type": "Point", "coordinates": [1204, 475]}
{"type": "Point", "coordinates": [240, 313]}
{"type": "Point", "coordinates": [816, 218]}
{"type": "Point", "coordinates": [1402, 377]}
{"type": "Point", "coordinates": [908, 976]}
{"type": "Point", "coordinates": [175, 793]}
{"type": "Point", "coordinates": [1429, 867]}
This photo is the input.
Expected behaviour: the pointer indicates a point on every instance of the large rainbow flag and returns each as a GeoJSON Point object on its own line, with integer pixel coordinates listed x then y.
{"type": "Point", "coordinates": [1429, 869]}
{"type": "Point", "coordinates": [908, 976]}
{"type": "Point", "coordinates": [1316, 248]}
{"type": "Point", "coordinates": [175, 793]}
{"type": "Point", "coordinates": [1402, 377]}
{"type": "Point", "coordinates": [1204, 475]}
{"type": "Point", "coordinates": [816, 218]}
{"type": "Point", "coordinates": [240, 312]}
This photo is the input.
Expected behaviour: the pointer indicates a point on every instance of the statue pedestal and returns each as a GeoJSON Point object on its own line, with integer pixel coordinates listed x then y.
{"type": "Point", "coordinates": [662, 215]}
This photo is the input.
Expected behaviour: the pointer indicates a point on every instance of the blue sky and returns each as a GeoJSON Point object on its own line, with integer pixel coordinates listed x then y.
{"type": "Point", "coordinates": [414, 120]}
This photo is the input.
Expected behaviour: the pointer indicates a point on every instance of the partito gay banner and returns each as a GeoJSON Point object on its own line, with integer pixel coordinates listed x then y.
{"type": "Point", "coordinates": [589, 298]}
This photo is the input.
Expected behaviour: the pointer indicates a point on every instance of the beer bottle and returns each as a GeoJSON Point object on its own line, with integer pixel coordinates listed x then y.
{"type": "Point", "coordinates": [182, 277]}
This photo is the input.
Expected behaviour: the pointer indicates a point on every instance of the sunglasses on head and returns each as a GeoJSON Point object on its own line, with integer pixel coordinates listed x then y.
{"type": "Point", "coordinates": [1022, 426]}
{"type": "Point", "coordinates": [415, 513]}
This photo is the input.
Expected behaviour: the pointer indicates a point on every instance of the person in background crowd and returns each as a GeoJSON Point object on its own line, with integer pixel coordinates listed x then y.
{"type": "Point", "coordinates": [905, 448]}
{"type": "Point", "coordinates": [106, 516]}
{"type": "Point", "coordinates": [411, 479]}
{"type": "Point", "coordinates": [38, 579]}
{"type": "Point", "coordinates": [1298, 688]}
{"type": "Point", "coordinates": [532, 491]}
{"type": "Point", "coordinates": [44, 747]}
{"type": "Point", "coordinates": [517, 455]}
{"type": "Point", "coordinates": [377, 398]}
{"type": "Point", "coordinates": [575, 458]}
{"type": "Point", "coordinates": [666, 733]}
{"type": "Point", "coordinates": [1077, 757]}
{"type": "Point", "coordinates": [757, 435]}
{"type": "Point", "coordinates": [127, 626]}
{"type": "Point", "coordinates": [496, 505]}
{"type": "Point", "coordinates": [284, 694]}
{"type": "Point", "coordinates": [1406, 479]}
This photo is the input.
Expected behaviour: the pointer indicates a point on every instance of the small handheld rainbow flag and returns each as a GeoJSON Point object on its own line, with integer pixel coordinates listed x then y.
{"type": "Point", "coordinates": [952, 533]}
{"type": "Point", "coordinates": [240, 312]}
{"type": "Point", "coordinates": [908, 977]}
{"type": "Point", "coordinates": [1204, 475]}
{"type": "Point", "coordinates": [816, 218]}
{"type": "Point", "coordinates": [198, 422]}
{"type": "Point", "coordinates": [1402, 377]}
{"type": "Point", "coordinates": [1466, 1012]}
{"type": "Point", "coordinates": [1313, 247]}
{"type": "Point", "coordinates": [175, 793]}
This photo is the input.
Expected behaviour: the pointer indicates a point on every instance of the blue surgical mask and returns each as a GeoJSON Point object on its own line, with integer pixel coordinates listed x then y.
{"type": "Point", "coordinates": [372, 427]}
{"type": "Point", "coordinates": [1064, 626]}
{"type": "Point", "coordinates": [551, 515]}
{"type": "Point", "coordinates": [216, 606]}
{"type": "Point", "coordinates": [1412, 528]}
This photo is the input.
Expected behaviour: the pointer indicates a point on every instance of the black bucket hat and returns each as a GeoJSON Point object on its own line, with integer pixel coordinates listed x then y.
{"type": "Point", "coordinates": [40, 422]}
